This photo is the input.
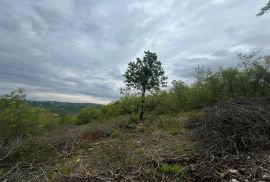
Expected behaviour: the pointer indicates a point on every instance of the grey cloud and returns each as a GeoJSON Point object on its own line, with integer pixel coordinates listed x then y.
{"type": "Point", "coordinates": [73, 47]}
{"type": "Point", "coordinates": [221, 58]}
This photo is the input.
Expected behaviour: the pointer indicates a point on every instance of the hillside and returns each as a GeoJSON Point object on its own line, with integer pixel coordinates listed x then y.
{"type": "Point", "coordinates": [161, 148]}
{"type": "Point", "coordinates": [217, 129]}
{"type": "Point", "coordinates": [63, 107]}
{"type": "Point", "coordinates": [183, 87]}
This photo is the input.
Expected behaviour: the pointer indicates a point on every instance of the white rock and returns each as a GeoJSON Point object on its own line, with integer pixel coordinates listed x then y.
{"type": "Point", "coordinates": [234, 180]}
{"type": "Point", "coordinates": [265, 176]}
{"type": "Point", "coordinates": [233, 171]}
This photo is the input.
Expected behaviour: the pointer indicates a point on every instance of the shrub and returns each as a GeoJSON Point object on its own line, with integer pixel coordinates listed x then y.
{"type": "Point", "coordinates": [17, 118]}
{"type": "Point", "coordinates": [88, 115]}
{"type": "Point", "coordinates": [251, 78]}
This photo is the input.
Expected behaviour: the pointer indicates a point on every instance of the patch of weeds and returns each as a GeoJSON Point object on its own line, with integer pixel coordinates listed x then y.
{"type": "Point", "coordinates": [174, 131]}
{"type": "Point", "coordinates": [175, 147]}
{"type": "Point", "coordinates": [150, 173]}
{"type": "Point", "coordinates": [71, 165]}
{"type": "Point", "coordinates": [193, 120]}
{"type": "Point", "coordinates": [116, 133]}
{"type": "Point", "coordinates": [127, 161]}
{"type": "Point", "coordinates": [172, 169]}
{"type": "Point", "coordinates": [32, 149]}
{"type": "Point", "coordinates": [184, 148]}
{"type": "Point", "coordinates": [141, 151]}
{"type": "Point", "coordinates": [147, 127]}
{"type": "Point", "coordinates": [111, 155]}
{"type": "Point", "coordinates": [172, 125]}
{"type": "Point", "coordinates": [66, 169]}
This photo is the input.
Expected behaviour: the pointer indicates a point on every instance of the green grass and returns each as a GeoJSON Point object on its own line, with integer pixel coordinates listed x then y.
{"type": "Point", "coordinates": [172, 169]}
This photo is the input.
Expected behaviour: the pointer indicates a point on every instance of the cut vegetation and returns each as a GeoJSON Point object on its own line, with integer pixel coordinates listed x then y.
{"type": "Point", "coordinates": [216, 129]}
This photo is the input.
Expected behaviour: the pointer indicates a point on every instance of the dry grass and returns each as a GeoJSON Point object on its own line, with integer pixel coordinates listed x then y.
{"type": "Point", "coordinates": [109, 150]}
{"type": "Point", "coordinates": [162, 148]}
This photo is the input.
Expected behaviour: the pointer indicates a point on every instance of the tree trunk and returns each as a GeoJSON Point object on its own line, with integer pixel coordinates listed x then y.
{"type": "Point", "coordinates": [142, 106]}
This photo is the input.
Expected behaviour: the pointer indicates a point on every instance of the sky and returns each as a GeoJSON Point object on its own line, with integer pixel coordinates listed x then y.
{"type": "Point", "coordinates": [78, 50]}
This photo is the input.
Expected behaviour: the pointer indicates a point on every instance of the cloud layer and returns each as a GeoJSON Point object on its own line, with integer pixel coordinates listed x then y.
{"type": "Point", "coordinates": [77, 50]}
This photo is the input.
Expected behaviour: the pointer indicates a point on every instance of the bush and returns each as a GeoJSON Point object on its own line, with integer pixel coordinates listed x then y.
{"type": "Point", "coordinates": [88, 115]}
{"type": "Point", "coordinates": [251, 78]}
{"type": "Point", "coordinates": [17, 118]}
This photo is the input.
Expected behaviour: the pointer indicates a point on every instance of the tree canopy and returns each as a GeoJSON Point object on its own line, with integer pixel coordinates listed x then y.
{"type": "Point", "coordinates": [145, 75]}
{"type": "Point", "coordinates": [264, 9]}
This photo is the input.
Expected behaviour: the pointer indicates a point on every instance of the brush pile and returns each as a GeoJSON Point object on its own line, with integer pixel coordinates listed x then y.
{"type": "Point", "coordinates": [236, 126]}
{"type": "Point", "coordinates": [235, 145]}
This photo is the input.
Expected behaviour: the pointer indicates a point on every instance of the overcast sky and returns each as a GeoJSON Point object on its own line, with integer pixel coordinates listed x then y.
{"type": "Point", "coordinates": [77, 50]}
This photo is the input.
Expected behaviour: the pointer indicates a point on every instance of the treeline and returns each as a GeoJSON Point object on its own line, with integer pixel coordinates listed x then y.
{"type": "Point", "coordinates": [63, 108]}
{"type": "Point", "coordinates": [20, 117]}
{"type": "Point", "coordinates": [251, 78]}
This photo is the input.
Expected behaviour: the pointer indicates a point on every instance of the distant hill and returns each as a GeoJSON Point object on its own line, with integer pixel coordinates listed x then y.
{"type": "Point", "coordinates": [63, 107]}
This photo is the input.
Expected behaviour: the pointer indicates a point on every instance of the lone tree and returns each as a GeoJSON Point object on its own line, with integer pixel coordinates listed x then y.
{"type": "Point", "coordinates": [145, 75]}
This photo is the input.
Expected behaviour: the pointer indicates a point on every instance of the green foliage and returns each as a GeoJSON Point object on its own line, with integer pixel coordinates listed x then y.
{"type": "Point", "coordinates": [18, 118]}
{"type": "Point", "coordinates": [170, 124]}
{"type": "Point", "coordinates": [172, 169]}
{"type": "Point", "coordinates": [145, 75]}
{"type": "Point", "coordinates": [264, 9]}
{"type": "Point", "coordinates": [250, 79]}
{"type": "Point", "coordinates": [67, 119]}
{"type": "Point", "coordinates": [89, 115]}
{"type": "Point", "coordinates": [160, 103]}
{"type": "Point", "coordinates": [129, 104]}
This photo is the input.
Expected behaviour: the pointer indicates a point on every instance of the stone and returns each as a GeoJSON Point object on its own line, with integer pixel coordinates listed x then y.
{"type": "Point", "coordinates": [233, 171]}
{"type": "Point", "coordinates": [265, 177]}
